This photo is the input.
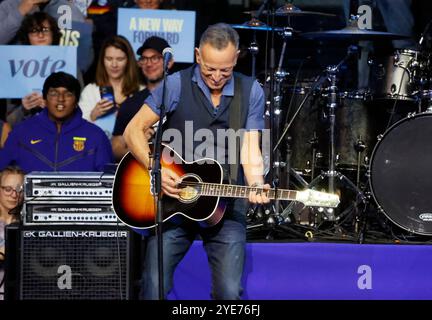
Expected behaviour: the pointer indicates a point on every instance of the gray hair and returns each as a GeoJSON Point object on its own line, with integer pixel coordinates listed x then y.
{"type": "Point", "coordinates": [219, 36]}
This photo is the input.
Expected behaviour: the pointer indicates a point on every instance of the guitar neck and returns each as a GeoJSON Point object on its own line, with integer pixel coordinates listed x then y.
{"type": "Point", "coordinates": [234, 191]}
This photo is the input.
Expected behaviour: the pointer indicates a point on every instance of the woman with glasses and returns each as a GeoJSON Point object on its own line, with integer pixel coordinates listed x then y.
{"type": "Point", "coordinates": [117, 72]}
{"type": "Point", "coordinates": [58, 138]}
{"type": "Point", "coordinates": [11, 193]}
{"type": "Point", "coordinates": [11, 15]}
{"type": "Point", "coordinates": [11, 197]}
{"type": "Point", "coordinates": [37, 29]}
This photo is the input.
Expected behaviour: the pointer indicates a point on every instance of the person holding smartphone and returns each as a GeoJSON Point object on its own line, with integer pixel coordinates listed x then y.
{"type": "Point", "coordinates": [151, 64]}
{"type": "Point", "coordinates": [116, 79]}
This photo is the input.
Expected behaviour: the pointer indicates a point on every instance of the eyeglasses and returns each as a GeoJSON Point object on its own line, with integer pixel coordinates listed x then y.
{"type": "Point", "coordinates": [43, 30]}
{"type": "Point", "coordinates": [56, 95]}
{"type": "Point", "coordinates": [152, 59]}
{"type": "Point", "coordinates": [8, 190]}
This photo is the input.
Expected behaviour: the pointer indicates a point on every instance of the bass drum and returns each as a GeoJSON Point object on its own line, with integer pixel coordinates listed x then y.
{"type": "Point", "coordinates": [401, 173]}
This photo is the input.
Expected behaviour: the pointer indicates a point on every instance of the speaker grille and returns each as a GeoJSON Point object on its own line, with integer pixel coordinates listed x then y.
{"type": "Point", "coordinates": [75, 264]}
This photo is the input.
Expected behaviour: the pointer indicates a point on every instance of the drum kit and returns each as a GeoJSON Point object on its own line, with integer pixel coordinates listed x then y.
{"type": "Point", "coordinates": [371, 146]}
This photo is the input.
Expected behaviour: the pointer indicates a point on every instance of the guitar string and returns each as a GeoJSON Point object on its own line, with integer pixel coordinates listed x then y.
{"type": "Point", "coordinates": [186, 183]}
{"type": "Point", "coordinates": [271, 192]}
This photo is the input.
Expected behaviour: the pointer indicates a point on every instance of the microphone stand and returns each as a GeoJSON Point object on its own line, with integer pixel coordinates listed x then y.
{"type": "Point", "coordinates": [156, 175]}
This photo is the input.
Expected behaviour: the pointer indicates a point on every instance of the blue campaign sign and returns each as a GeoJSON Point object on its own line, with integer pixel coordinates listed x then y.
{"type": "Point", "coordinates": [177, 27]}
{"type": "Point", "coordinates": [80, 36]}
{"type": "Point", "coordinates": [23, 69]}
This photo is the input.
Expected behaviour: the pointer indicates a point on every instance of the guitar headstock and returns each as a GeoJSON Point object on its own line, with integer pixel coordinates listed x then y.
{"type": "Point", "coordinates": [315, 198]}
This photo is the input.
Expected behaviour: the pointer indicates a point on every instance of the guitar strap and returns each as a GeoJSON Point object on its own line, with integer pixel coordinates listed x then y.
{"type": "Point", "coordinates": [238, 112]}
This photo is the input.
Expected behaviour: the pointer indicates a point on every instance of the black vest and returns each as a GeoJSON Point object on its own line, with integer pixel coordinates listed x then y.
{"type": "Point", "coordinates": [198, 122]}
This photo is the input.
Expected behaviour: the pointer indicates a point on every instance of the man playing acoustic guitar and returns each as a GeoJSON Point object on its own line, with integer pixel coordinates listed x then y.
{"type": "Point", "coordinates": [207, 97]}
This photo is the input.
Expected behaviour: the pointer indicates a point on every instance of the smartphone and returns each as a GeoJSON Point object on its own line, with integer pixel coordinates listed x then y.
{"type": "Point", "coordinates": [107, 93]}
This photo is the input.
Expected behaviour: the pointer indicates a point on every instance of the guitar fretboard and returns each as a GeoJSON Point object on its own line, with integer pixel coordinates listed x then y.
{"type": "Point", "coordinates": [234, 191]}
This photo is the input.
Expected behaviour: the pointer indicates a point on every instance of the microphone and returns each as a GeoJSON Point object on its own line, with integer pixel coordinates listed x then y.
{"type": "Point", "coordinates": [167, 54]}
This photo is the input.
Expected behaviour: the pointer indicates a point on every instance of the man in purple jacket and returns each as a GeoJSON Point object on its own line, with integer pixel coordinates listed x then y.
{"type": "Point", "coordinates": [58, 138]}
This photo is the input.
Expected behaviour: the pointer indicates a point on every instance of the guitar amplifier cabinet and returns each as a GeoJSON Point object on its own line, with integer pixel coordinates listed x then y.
{"type": "Point", "coordinates": [69, 263]}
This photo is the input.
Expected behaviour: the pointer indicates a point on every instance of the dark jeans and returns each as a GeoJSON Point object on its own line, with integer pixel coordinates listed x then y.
{"type": "Point", "coordinates": [225, 248]}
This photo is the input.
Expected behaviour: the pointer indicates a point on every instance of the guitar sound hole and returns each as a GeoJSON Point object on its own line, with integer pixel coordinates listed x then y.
{"type": "Point", "coordinates": [190, 188]}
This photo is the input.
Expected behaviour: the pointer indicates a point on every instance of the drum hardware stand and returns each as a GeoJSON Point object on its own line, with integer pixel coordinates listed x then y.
{"type": "Point", "coordinates": [429, 102]}
{"type": "Point", "coordinates": [253, 49]}
{"type": "Point", "coordinates": [359, 146]}
{"type": "Point", "coordinates": [283, 217]}
{"type": "Point", "coordinates": [277, 164]}
{"type": "Point", "coordinates": [271, 110]}
{"type": "Point", "coordinates": [361, 221]}
{"type": "Point", "coordinates": [332, 173]}
{"type": "Point", "coordinates": [314, 145]}
{"type": "Point", "coordinates": [277, 76]}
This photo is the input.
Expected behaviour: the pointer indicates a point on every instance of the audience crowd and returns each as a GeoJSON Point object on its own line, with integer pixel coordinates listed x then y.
{"type": "Point", "coordinates": [74, 123]}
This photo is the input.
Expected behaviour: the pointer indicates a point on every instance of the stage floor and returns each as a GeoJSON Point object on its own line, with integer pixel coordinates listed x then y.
{"type": "Point", "coordinates": [336, 271]}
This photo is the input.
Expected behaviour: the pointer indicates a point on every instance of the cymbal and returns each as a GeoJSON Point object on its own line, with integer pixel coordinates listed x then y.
{"type": "Point", "coordinates": [352, 33]}
{"type": "Point", "coordinates": [255, 24]}
{"type": "Point", "coordinates": [289, 10]}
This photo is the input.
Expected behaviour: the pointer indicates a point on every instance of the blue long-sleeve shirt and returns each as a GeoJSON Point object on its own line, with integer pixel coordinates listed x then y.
{"type": "Point", "coordinates": [36, 145]}
{"type": "Point", "coordinates": [10, 20]}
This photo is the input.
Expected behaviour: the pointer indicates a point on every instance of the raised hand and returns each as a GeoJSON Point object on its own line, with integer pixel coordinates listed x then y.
{"type": "Point", "coordinates": [33, 100]}
{"type": "Point", "coordinates": [101, 108]}
{"type": "Point", "coordinates": [26, 6]}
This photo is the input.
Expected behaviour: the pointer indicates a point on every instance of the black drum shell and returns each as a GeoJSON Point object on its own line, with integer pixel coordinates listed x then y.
{"type": "Point", "coordinates": [401, 173]}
